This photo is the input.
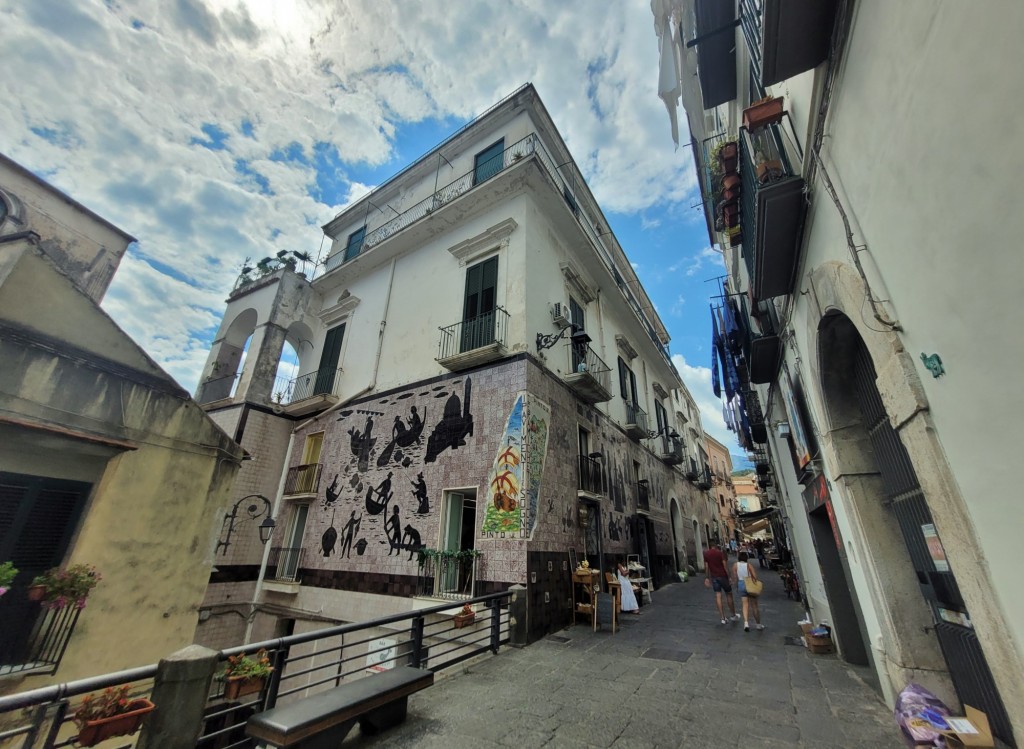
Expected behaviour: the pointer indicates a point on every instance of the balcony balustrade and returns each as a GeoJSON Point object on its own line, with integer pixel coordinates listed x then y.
{"type": "Point", "coordinates": [636, 421]}
{"type": "Point", "coordinates": [284, 563]}
{"type": "Point", "coordinates": [772, 209]}
{"type": "Point", "coordinates": [35, 637]}
{"type": "Point", "coordinates": [587, 374]}
{"type": "Point", "coordinates": [448, 575]}
{"type": "Point", "coordinates": [704, 478]}
{"type": "Point", "coordinates": [591, 477]}
{"type": "Point", "coordinates": [304, 479]}
{"type": "Point", "coordinates": [308, 392]}
{"type": "Point", "coordinates": [670, 451]}
{"type": "Point", "coordinates": [786, 38]}
{"type": "Point", "coordinates": [475, 341]}
{"type": "Point", "coordinates": [692, 473]}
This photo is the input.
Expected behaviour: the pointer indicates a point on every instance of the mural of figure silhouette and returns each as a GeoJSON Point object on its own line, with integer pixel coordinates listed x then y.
{"type": "Point", "coordinates": [332, 493]}
{"type": "Point", "coordinates": [384, 495]}
{"type": "Point", "coordinates": [329, 538]}
{"type": "Point", "coordinates": [420, 492]}
{"type": "Point", "coordinates": [349, 531]}
{"type": "Point", "coordinates": [456, 424]}
{"type": "Point", "coordinates": [394, 530]}
{"type": "Point", "coordinates": [411, 540]}
{"type": "Point", "coordinates": [362, 442]}
{"type": "Point", "coordinates": [401, 437]}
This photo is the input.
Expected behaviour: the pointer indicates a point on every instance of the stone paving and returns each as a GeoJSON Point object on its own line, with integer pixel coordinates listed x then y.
{"type": "Point", "coordinates": [671, 677]}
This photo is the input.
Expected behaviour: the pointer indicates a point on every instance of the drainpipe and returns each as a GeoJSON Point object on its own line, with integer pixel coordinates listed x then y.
{"type": "Point", "coordinates": [278, 499]}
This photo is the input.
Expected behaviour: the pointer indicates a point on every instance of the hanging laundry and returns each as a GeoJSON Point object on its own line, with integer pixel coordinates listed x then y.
{"type": "Point", "coordinates": [715, 386]}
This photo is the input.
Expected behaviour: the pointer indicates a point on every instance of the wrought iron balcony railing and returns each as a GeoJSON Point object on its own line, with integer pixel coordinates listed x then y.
{"type": "Point", "coordinates": [475, 333]}
{"type": "Point", "coordinates": [304, 479]}
{"type": "Point", "coordinates": [588, 374]}
{"type": "Point", "coordinates": [691, 470]}
{"type": "Point", "coordinates": [591, 476]}
{"type": "Point", "coordinates": [636, 417]}
{"type": "Point", "coordinates": [447, 574]}
{"type": "Point", "coordinates": [284, 563]}
{"type": "Point", "coordinates": [671, 451]}
{"type": "Point", "coordinates": [35, 637]}
{"type": "Point", "coordinates": [318, 382]}
{"type": "Point", "coordinates": [643, 495]}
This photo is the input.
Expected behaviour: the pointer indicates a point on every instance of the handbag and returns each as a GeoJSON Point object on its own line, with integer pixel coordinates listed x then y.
{"type": "Point", "coordinates": [753, 587]}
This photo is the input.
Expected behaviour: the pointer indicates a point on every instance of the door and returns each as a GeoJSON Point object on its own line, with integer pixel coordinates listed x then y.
{"type": "Point", "coordinates": [306, 480]}
{"type": "Point", "coordinates": [578, 318]}
{"type": "Point", "coordinates": [38, 516]}
{"type": "Point", "coordinates": [936, 579]}
{"type": "Point", "coordinates": [456, 576]}
{"type": "Point", "coordinates": [478, 308]}
{"type": "Point", "coordinates": [488, 162]}
{"type": "Point", "coordinates": [288, 566]}
{"type": "Point", "coordinates": [329, 359]}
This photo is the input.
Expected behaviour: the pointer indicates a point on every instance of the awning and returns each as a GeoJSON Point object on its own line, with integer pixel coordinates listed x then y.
{"type": "Point", "coordinates": [749, 517]}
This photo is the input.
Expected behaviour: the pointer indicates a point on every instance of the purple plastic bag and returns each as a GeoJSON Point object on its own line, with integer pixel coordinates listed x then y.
{"type": "Point", "coordinates": [912, 718]}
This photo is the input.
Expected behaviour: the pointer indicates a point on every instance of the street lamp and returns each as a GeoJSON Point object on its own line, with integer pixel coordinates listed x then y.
{"type": "Point", "coordinates": [253, 510]}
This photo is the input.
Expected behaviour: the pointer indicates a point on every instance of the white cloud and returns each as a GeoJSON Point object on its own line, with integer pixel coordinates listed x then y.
{"type": "Point", "coordinates": [106, 100]}
{"type": "Point", "coordinates": [698, 382]}
{"type": "Point", "coordinates": [677, 306]}
{"type": "Point", "coordinates": [707, 255]}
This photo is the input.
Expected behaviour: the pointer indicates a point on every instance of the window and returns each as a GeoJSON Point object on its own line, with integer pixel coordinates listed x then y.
{"type": "Point", "coordinates": [627, 383]}
{"type": "Point", "coordinates": [488, 162]}
{"type": "Point", "coordinates": [288, 562]}
{"type": "Point", "coordinates": [584, 437]}
{"type": "Point", "coordinates": [578, 318]}
{"type": "Point", "coordinates": [355, 243]}
{"type": "Point", "coordinates": [457, 534]}
{"type": "Point", "coordinates": [479, 304]}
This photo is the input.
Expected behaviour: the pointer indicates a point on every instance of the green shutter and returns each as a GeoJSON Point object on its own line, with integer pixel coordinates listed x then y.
{"type": "Point", "coordinates": [329, 358]}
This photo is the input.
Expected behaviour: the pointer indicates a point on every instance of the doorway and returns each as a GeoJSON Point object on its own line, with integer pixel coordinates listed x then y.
{"type": "Point", "coordinates": [457, 575]}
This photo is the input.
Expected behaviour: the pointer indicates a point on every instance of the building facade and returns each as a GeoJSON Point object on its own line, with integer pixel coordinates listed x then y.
{"type": "Point", "coordinates": [484, 391]}
{"type": "Point", "coordinates": [104, 459]}
{"type": "Point", "coordinates": [722, 491]}
{"type": "Point", "coordinates": [858, 312]}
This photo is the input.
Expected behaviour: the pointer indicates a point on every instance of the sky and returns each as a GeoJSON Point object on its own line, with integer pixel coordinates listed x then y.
{"type": "Point", "coordinates": [219, 130]}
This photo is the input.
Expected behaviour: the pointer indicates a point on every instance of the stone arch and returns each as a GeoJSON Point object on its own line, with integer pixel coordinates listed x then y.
{"type": "Point", "coordinates": [225, 360]}
{"type": "Point", "coordinates": [842, 319]}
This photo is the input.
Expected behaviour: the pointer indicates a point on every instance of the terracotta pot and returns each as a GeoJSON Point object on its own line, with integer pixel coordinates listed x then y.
{"type": "Point", "coordinates": [36, 592]}
{"type": "Point", "coordinates": [727, 158]}
{"type": "Point", "coordinates": [463, 620]}
{"type": "Point", "coordinates": [730, 196]}
{"type": "Point", "coordinates": [770, 171]}
{"type": "Point", "coordinates": [765, 112]}
{"type": "Point", "coordinates": [731, 215]}
{"type": "Point", "coordinates": [239, 686]}
{"type": "Point", "coordinates": [99, 730]}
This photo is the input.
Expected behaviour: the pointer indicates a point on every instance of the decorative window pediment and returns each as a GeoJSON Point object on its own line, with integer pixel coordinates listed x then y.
{"type": "Point", "coordinates": [337, 312]}
{"type": "Point", "coordinates": [490, 239]}
{"type": "Point", "coordinates": [578, 286]}
{"type": "Point", "coordinates": [659, 390]}
{"type": "Point", "coordinates": [624, 346]}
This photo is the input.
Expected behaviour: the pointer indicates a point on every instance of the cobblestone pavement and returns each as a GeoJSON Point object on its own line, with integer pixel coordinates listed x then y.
{"type": "Point", "coordinates": [671, 677]}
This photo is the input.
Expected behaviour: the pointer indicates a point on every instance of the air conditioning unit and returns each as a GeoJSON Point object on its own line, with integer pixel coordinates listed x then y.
{"type": "Point", "coordinates": [783, 429]}
{"type": "Point", "coordinates": [560, 315]}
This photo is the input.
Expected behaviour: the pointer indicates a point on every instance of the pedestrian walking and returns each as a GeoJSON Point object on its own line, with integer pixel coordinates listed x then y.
{"type": "Point", "coordinates": [741, 572]}
{"type": "Point", "coordinates": [717, 577]}
{"type": "Point", "coordinates": [628, 595]}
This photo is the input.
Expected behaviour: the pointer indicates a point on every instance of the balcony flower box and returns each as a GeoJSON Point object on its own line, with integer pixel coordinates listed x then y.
{"type": "Point", "coordinates": [240, 686]}
{"type": "Point", "coordinates": [246, 674]}
{"type": "Point", "coordinates": [728, 156]}
{"type": "Point", "coordinates": [767, 111]}
{"type": "Point", "coordinates": [110, 713]}
{"type": "Point", "coordinates": [465, 617]}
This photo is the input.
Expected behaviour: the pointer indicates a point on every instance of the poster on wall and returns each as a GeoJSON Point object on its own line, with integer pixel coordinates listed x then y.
{"type": "Point", "coordinates": [380, 656]}
{"type": "Point", "coordinates": [801, 448]}
{"type": "Point", "coordinates": [935, 550]}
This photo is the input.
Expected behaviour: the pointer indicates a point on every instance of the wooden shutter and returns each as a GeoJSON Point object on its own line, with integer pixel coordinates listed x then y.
{"type": "Point", "coordinates": [623, 380]}
{"type": "Point", "coordinates": [37, 519]}
{"type": "Point", "coordinates": [329, 360]}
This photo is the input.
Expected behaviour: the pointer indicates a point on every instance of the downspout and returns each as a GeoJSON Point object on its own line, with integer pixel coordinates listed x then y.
{"type": "Point", "coordinates": [278, 499]}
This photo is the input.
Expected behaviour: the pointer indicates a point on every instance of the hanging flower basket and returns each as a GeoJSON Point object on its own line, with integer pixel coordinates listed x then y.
{"type": "Point", "coordinates": [239, 686]}
{"type": "Point", "coordinates": [767, 111]}
{"type": "Point", "coordinates": [123, 724]}
{"type": "Point", "coordinates": [727, 157]}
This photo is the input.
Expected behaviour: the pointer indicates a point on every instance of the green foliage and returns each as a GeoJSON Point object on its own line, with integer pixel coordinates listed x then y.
{"type": "Point", "coordinates": [256, 666]}
{"type": "Point", "coordinates": [108, 703]}
{"type": "Point", "coordinates": [7, 574]}
{"type": "Point", "coordinates": [65, 586]}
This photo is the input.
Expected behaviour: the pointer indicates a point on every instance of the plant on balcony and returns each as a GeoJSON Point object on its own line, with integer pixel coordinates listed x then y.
{"type": "Point", "coordinates": [726, 155]}
{"type": "Point", "coordinates": [246, 674]}
{"type": "Point", "coordinates": [7, 574]}
{"type": "Point", "coordinates": [766, 111]}
{"type": "Point", "coordinates": [465, 617]}
{"type": "Point", "coordinates": [768, 170]}
{"type": "Point", "coordinates": [111, 712]}
{"type": "Point", "coordinates": [60, 587]}
{"type": "Point", "coordinates": [461, 555]}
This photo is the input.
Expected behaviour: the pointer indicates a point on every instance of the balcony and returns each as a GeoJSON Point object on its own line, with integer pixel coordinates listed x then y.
{"type": "Point", "coordinates": [643, 495]}
{"type": "Point", "coordinates": [692, 473]}
{"type": "Point", "coordinates": [670, 451]}
{"type": "Point", "coordinates": [283, 564]}
{"type": "Point", "coordinates": [765, 356]}
{"type": "Point", "coordinates": [35, 637]}
{"type": "Point", "coordinates": [468, 343]}
{"type": "Point", "coordinates": [636, 421]}
{"type": "Point", "coordinates": [704, 479]}
{"type": "Point", "coordinates": [786, 38]}
{"type": "Point", "coordinates": [307, 393]}
{"type": "Point", "coordinates": [772, 209]}
{"type": "Point", "coordinates": [450, 575]}
{"type": "Point", "coordinates": [591, 478]}
{"type": "Point", "coordinates": [587, 374]}
{"type": "Point", "coordinates": [304, 479]}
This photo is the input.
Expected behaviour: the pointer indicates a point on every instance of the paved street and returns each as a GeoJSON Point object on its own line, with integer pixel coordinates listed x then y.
{"type": "Point", "coordinates": [671, 677]}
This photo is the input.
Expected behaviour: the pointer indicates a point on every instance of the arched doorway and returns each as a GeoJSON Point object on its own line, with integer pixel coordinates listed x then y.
{"type": "Point", "coordinates": [926, 622]}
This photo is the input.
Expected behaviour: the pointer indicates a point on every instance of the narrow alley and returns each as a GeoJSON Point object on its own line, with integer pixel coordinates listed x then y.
{"type": "Point", "coordinates": [671, 677]}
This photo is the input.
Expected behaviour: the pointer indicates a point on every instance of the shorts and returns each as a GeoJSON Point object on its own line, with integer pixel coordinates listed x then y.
{"type": "Point", "coordinates": [741, 588]}
{"type": "Point", "coordinates": [721, 585]}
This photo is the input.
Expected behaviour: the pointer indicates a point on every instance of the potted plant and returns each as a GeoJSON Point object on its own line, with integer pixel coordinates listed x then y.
{"type": "Point", "coordinates": [766, 111]}
{"type": "Point", "coordinates": [7, 574]}
{"type": "Point", "coordinates": [465, 617]}
{"type": "Point", "coordinates": [60, 586]}
{"type": "Point", "coordinates": [727, 155]}
{"type": "Point", "coordinates": [112, 712]}
{"type": "Point", "coordinates": [246, 674]}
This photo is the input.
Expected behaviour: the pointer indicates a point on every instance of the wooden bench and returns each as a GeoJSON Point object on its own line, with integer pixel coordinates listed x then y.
{"type": "Point", "coordinates": [376, 702]}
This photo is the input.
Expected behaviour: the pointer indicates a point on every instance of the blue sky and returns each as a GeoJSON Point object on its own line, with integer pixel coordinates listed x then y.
{"type": "Point", "coordinates": [215, 130]}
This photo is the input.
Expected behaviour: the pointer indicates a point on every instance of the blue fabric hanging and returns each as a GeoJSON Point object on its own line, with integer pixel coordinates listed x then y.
{"type": "Point", "coordinates": [715, 382]}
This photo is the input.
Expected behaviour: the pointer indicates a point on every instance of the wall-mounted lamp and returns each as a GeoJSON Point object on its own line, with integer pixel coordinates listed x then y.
{"type": "Point", "coordinates": [596, 456]}
{"type": "Point", "coordinates": [259, 506]}
{"type": "Point", "coordinates": [578, 337]}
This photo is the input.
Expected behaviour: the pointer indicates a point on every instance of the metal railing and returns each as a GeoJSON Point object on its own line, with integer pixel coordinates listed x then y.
{"type": "Point", "coordinates": [751, 12]}
{"type": "Point", "coordinates": [584, 360]}
{"type": "Point", "coordinates": [35, 636]}
{"type": "Point", "coordinates": [303, 664]}
{"type": "Point", "coordinates": [591, 476]}
{"type": "Point", "coordinates": [691, 471]}
{"type": "Point", "coordinates": [216, 388]}
{"type": "Point", "coordinates": [284, 563]}
{"type": "Point", "coordinates": [474, 333]}
{"type": "Point", "coordinates": [447, 576]}
{"type": "Point", "coordinates": [636, 416]}
{"type": "Point", "coordinates": [643, 495]}
{"type": "Point", "coordinates": [304, 479]}
{"type": "Point", "coordinates": [318, 382]}
{"type": "Point", "coordinates": [672, 449]}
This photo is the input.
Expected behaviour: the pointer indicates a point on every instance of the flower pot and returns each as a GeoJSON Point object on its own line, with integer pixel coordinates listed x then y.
{"type": "Point", "coordinates": [727, 157]}
{"type": "Point", "coordinates": [731, 182]}
{"type": "Point", "coordinates": [765, 112]}
{"type": "Point", "coordinates": [36, 592]}
{"type": "Point", "coordinates": [731, 215]}
{"type": "Point", "coordinates": [770, 171]}
{"type": "Point", "coordinates": [239, 686]}
{"type": "Point", "coordinates": [126, 723]}
{"type": "Point", "coordinates": [464, 620]}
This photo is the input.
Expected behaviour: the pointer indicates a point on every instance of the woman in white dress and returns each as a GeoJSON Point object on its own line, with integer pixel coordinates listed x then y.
{"type": "Point", "coordinates": [628, 596]}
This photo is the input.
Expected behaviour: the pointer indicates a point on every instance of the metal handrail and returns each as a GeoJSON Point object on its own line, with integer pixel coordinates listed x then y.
{"type": "Point", "coordinates": [636, 416]}
{"type": "Point", "coordinates": [591, 476]}
{"type": "Point", "coordinates": [583, 359]}
{"type": "Point", "coordinates": [477, 332]}
{"type": "Point", "coordinates": [304, 479]}
{"type": "Point", "coordinates": [284, 563]}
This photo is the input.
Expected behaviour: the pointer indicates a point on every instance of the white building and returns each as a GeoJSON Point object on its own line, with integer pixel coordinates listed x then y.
{"type": "Point", "coordinates": [867, 221]}
{"type": "Point", "coordinates": [481, 372]}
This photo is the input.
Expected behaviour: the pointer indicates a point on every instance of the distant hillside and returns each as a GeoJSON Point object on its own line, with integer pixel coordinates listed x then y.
{"type": "Point", "coordinates": [744, 472]}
